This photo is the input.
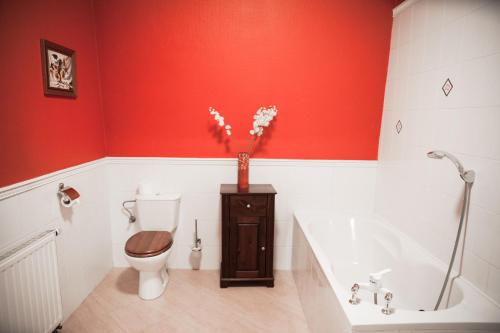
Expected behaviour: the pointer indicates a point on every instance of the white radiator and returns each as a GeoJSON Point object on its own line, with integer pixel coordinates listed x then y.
{"type": "Point", "coordinates": [30, 299]}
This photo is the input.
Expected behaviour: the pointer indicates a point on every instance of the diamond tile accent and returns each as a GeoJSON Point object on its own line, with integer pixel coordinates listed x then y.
{"type": "Point", "coordinates": [447, 87]}
{"type": "Point", "coordinates": [399, 126]}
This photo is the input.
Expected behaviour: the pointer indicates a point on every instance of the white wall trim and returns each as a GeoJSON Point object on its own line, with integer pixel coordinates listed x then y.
{"type": "Point", "coordinates": [402, 6]}
{"type": "Point", "coordinates": [233, 161]}
{"type": "Point", "coordinates": [30, 184]}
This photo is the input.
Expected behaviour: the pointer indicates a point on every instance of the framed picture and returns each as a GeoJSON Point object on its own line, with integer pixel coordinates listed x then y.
{"type": "Point", "coordinates": [58, 70]}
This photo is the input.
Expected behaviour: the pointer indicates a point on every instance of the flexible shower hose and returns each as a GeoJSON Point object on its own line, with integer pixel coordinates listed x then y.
{"type": "Point", "coordinates": [463, 217]}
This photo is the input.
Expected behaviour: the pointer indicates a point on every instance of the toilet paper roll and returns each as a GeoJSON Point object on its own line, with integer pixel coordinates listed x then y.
{"type": "Point", "coordinates": [68, 203]}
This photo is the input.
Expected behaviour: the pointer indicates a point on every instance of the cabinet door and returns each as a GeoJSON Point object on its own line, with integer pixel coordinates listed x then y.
{"type": "Point", "coordinates": [248, 246]}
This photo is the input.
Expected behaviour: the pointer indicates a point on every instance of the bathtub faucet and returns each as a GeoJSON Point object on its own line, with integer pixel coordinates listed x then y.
{"type": "Point", "coordinates": [376, 278]}
{"type": "Point", "coordinates": [375, 284]}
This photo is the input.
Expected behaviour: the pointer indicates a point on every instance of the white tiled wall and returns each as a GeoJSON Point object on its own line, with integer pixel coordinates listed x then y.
{"type": "Point", "coordinates": [84, 245]}
{"type": "Point", "coordinates": [341, 185]}
{"type": "Point", "coordinates": [433, 40]}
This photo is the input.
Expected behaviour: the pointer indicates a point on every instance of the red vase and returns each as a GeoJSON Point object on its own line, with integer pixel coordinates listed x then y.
{"type": "Point", "coordinates": [243, 167]}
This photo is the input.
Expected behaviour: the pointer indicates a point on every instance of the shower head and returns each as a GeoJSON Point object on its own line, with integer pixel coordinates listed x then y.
{"type": "Point", "coordinates": [468, 176]}
{"type": "Point", "coordinates": [436, 154]}
{"type": "Point", "coordinates": [439, 154]}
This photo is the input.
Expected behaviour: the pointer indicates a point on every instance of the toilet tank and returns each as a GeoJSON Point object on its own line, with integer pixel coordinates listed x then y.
{"type": "Point", "coordinates": [158, 211]}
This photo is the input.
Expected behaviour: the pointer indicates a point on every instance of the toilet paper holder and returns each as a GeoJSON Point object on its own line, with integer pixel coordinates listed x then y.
{"type": "Point", "coordinates": [68, 195]}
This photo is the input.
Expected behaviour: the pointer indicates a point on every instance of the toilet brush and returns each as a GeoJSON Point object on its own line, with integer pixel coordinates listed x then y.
{"type": "Point", "coordinates": [195, 257]}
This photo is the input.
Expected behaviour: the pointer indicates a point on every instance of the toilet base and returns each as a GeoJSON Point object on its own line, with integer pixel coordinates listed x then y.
{"type": "Point", "coordinates": [152, 284]}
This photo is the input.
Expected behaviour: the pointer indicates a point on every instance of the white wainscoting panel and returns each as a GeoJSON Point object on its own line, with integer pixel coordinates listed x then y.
{"type": "Point", "coordinates": [84, 244]}
{"type": "Point", "coordinates": [340, 185]}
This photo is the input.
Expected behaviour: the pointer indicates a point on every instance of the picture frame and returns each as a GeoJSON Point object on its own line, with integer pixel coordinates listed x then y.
{"type": "Point", "coordinates": [58, 69]}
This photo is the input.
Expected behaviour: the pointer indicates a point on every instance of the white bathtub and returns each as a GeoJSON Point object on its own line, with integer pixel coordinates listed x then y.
{"type": "Point", "coordinates": [333, 251]}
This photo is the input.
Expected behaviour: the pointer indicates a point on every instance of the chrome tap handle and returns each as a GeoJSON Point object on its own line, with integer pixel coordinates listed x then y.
{"type": "Point", "coordinates": [388, 298]}
{"type": "Point", "coordinates": [354, 300]}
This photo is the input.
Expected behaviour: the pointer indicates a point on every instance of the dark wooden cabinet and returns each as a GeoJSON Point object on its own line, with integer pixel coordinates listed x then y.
{"type": "Point", "coordinates": [247, 235]}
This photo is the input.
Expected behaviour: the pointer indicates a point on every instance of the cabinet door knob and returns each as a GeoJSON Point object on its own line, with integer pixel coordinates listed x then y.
{"type": "Point", "coordinates": [263, 248]}
{"type": "Point", "coordinates": [248, 206]}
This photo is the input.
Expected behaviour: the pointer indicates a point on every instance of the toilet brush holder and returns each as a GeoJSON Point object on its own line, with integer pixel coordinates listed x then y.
{"type": "Point", "coordinates": [195, 258]}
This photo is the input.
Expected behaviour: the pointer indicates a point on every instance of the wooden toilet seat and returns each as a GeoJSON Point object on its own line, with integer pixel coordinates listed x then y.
{"type": "Point", "coordinates": [148, 243]}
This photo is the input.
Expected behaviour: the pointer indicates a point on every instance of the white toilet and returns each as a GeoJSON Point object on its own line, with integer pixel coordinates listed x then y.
{"type": "Point", "coordinates": [148, 250]}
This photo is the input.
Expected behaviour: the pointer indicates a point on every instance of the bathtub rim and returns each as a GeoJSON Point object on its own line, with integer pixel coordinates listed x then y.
{"type": "Point", "coordinates": [476, 311]}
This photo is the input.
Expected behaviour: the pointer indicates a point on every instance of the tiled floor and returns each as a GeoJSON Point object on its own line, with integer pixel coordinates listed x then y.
{"type": "Point", "coordinates": [193, 302]}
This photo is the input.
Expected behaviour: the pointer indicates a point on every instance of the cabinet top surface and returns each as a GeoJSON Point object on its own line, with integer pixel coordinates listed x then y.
{"type": "Point", "coordinates": [253, 189]}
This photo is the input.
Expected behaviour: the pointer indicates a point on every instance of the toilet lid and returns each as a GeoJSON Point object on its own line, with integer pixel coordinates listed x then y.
{"type": "Point", "coordinates": [148, 243]}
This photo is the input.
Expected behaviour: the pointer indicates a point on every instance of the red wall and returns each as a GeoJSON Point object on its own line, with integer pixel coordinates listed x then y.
{"type": "Point", "coordinates": [33, 127]}
{"type": "Point", "coordinates": [163, 63]}
{"type": "Point", "coordinates": [322, 62]}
